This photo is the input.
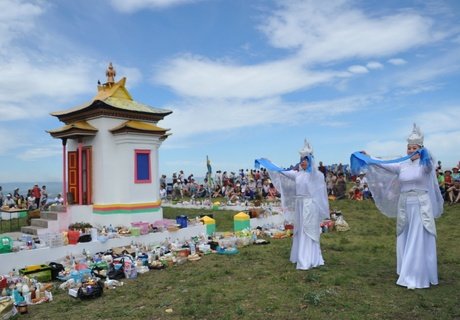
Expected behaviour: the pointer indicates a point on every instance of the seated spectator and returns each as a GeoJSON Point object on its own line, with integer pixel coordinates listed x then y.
{"type": "Point", "coordinates": [352, 193]}
{"type": "Point", "coordinates": [265, 188]}
{"type": "Point", "coordinates": [442, 187]}
{"type": "Point", "coordinates": [448, 181]}
{"type": "Point", "coordinates": [455, 174]}
{"type": "Point", "coordinates": [163, 192]}
{"type": "Point", "coordinates": [31, 204]}
{"type": "Point", "coordinates": [454, 192]}
{"type": "Point", "coordinates": [59, 199]}
{"type": "Point", "coordinates": [216, 192]}
{"type": "Point", "coordinates": [272, 193]}
{"type": "Point", "coordinates": [201, 191]}
{"type": "Point", "coordinates": [43, 196]}
{"type": "Point", "coordinates": [340, 187]}
{"type": "Point", "coordinates": [357, 194]}
{"type": "Point", "coordinates": [366, 192]}
{"type": "Point", "coordinates": [330, 182]}
{"type": "Point", "coordinates": [9, 202]}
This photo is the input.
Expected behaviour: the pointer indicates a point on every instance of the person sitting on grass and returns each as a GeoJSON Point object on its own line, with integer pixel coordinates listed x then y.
{"type": "Point", "coordinates": [9, 202]}
{"type": "Point", "coordinates": [454, 192]}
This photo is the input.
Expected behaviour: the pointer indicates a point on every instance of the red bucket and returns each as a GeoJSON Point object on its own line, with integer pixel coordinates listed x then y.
{"type": "Point", "coordinates": [3, 282]}
{"type": "Point", "coordinates": [73, 236]}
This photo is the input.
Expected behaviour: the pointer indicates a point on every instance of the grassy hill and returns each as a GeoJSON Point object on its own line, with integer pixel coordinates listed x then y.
{"type": "Point", "coordinates": [357, 281]}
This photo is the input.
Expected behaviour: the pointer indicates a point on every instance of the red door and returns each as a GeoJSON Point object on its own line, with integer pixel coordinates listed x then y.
{"type": "Point", "coordinates": [74, 176]}
{"type": "Point", "coordinates": [72, 159]}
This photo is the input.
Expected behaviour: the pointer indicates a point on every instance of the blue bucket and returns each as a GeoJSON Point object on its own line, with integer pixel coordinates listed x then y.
{"type": "Point", "coordinates": [182, 221]}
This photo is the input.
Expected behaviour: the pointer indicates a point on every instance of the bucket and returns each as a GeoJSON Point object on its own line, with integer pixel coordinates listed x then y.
{"type": "Point", "coordinates": [6, 244]}
{"type": "Point", "coordinates": [182, 221]}
{"type": "Point", "coordinates": [73, 236]}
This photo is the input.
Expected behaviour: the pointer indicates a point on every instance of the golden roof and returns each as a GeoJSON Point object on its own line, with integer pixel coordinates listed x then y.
{"type": "Point", "coordinates": [116, 96]}
{"type": "Point", "coordinates": [140, 126]}
{"type": "Point", "coordinates": [79, 128]}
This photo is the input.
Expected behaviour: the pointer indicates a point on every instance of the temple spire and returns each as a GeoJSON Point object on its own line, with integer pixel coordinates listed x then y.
{"type": "Point", "coordinates": [110, 73]}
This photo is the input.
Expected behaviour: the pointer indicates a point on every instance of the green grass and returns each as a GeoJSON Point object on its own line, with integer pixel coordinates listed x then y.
{"type": "Point", "coordinates": [357, 281]}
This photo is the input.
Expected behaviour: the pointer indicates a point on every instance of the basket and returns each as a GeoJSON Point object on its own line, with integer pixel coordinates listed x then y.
{"type": "Point", "coordinates": [143, 226]}
{"type": "Point", "coordinates": [135, 231]}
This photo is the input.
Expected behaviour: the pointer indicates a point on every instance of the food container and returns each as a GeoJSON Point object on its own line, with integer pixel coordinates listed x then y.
{"type": "Point", "coordinates": [241, 221]}
{"type": "Point", "coordinates": [42, 273]}
{"type": "Point", "coordinates": [210, 224]}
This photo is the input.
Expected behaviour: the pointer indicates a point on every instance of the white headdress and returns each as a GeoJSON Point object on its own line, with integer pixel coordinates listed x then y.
{"type": "Point", "coordinates": [416, 136]}
{"type": "Point", "coordinates": [306, 150]}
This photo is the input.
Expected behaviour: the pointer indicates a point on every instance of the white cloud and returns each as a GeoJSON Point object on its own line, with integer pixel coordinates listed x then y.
{"type": "Point", "coordinates": [332, 31]}
{"type": "Point", "coordinates": [443, 119]}
{"type": "Point", "coordinates": [420, 75]}
{"type": "Point", "coordinates": [444, 146]}
{"type": "Point", "coordinates": [136, 5]}
{"type": "Point", "coordinates": [200, 77]}
{"type": "Point", "coordinates": [389, 149]}
{"type": "Point", "coordinates": [374, 65]}
{"type": "Point", "coordinates": [397, 61]}
{"type": "Point", "coordinates": [441, 131]}
{"type": "Point", "coordinates": [202, 116]}
{"type": "Point", "coordinates": [358, 69]}
{"type": "Point", "coordinates": [16, 19]}
{"type": "Point", "coordinates": [11, 139]}
{"type": "Point", "coordinates": [32, 154]}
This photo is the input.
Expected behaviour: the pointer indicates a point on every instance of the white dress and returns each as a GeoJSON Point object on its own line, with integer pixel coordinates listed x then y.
{"type": "Point", "coordinates": [416, 231]}
{"type": "Point", "coordinates": [305, 204]}
{"type": "Point", "coordinates": [306, 251]}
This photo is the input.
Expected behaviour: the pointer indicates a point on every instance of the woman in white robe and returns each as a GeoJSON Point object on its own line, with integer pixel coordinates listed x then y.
{"type": "Point", "coordinates": [407, 189]}
{"type": "Point", "coordinates": [304, 198]}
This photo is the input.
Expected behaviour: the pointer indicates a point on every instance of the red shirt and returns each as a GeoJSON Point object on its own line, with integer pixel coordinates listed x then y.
{"type": "Point", "coordinates": [36, 192]}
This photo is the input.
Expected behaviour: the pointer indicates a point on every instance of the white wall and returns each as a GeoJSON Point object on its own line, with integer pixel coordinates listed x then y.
{"type": "Point", "coordinates": [24, 258]}
{"type": "Point", "coordinates": [113, 164]}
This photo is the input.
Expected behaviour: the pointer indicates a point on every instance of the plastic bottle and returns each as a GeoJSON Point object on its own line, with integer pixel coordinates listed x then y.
{"type": "Point", "coordinates": [192, 248]}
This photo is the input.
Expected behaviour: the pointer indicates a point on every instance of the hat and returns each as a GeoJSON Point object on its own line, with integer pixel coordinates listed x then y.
{"type": "Point", "coordinates": [306, 150]}
{"type": "Point", "coordinates": [416, 136]}
{"type": "Point", "coordinates": [454, 168]}
{"type": "Point", "coordinates": [9, 195]}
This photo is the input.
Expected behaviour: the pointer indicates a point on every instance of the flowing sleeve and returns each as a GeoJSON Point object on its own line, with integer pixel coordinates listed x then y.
{"type": "Point", "coordinates": [382, 180]}
{"type": "Point", "coordinates": [284, 182]}
{"type": "Point", "coordinates": [319, 193]}
{"type": "Point", "coordinates": [437, 201]}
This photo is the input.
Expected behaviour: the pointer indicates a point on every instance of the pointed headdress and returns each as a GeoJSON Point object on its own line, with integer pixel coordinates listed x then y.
{"type": "Point", "coordinates": [306, 151]}
{"type": "Point", "coordinates": [416, 136]}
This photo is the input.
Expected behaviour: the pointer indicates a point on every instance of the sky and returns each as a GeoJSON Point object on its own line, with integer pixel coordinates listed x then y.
{"type": "Point", "coordinates": [244, 79]}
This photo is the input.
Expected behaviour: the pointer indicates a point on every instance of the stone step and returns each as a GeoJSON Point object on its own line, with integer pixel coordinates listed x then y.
{"type": "Point", "coordinates": [49, 215]}
{"type": "Point", "coordinates": [33, 230]}
{"type": "Point", "coordinates": [59, 208]}
{"type": "Point", "coordinates": [39, 223]}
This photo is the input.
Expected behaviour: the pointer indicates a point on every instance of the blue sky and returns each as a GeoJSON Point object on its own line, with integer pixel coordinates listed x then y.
{"type": "Point", "coordinates": [245, 79]}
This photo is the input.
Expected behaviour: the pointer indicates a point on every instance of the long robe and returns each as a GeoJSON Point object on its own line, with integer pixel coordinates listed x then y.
{"type": "Point", "coordinates": [305, 203]}
{"type": "Point", "coordinates": [409, 191]}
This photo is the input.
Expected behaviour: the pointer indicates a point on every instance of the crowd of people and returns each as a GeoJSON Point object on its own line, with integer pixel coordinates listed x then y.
{"type": "Point", "coordinates": [449, 183]}
{"type": "Point", "coordinates": [251, 184]}
{"type": "Point", "coordinates": [245, 186]}
{"type": "Point", "coordinates": [255, 184]}
{"type": "Point", "coordinates": [36, 198]}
